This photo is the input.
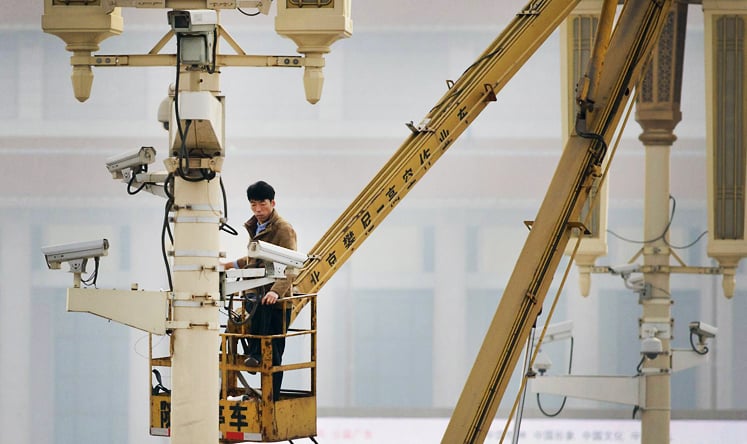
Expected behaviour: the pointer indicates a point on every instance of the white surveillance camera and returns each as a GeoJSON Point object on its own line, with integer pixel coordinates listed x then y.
{"type": "Point", "coordinates": [130, 160]}
{"type": "Point", "coordinates": [703, 330]}
{"type": "Point", "coordinates": [194, 21]}
{"type": "Point", "coordinates": [75, 253]}
{"type": "Point", "coordinates": [636, 282]}
{"type": "Point", "coordinates": [195, 33]}
{"type": "Point", "coordinates": [273, 253]}
{"type": "Point", "coordinates": [624, 269]}
{"type": "Point", "coordinates": [651, 347]}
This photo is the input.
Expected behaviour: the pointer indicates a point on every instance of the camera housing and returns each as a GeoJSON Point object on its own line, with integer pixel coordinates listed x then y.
{"type": "Point", "coordinates": [76, 253]}
{"type": "Point", "coordinates": [624, 269]}
{"type": "Point", "coordinates": [193, 21]}
{"type": "Point", "coordinates": [273, 253]}
{"type": "Point", "coordinates": [651, 347]}
{"type": "Point", "coordinates": [131, 160]}
{"type": "Point", "coordinates": [703, 330]}
{"type": "Point", "coordinates": [195, 33]}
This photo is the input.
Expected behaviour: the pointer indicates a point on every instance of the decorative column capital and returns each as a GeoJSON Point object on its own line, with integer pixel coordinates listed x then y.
{"type": "Point", "coordinates": [658, 107]}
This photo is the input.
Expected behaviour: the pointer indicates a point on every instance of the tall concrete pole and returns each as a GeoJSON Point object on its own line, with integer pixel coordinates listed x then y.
{"type": "Point", "coordinates": [194, 363]}
{"type": "Point", "coordinates": [658, 112]}
{"type": "Point", "coordinates": [196, 211]}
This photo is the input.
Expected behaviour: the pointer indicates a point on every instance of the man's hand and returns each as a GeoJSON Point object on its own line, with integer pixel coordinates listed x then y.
{"type": "Point", "coordinates": [270, 298]}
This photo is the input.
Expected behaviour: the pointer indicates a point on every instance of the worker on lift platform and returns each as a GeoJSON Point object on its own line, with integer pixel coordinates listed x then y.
{"type": "Point", "coordinates": [271, 317]}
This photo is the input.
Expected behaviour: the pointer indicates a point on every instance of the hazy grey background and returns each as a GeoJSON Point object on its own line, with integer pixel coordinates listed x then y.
{"type": "Point", "coordinates": [400, 324]}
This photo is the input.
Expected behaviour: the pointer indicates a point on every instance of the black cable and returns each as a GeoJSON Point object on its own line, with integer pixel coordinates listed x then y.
{"type": "Point", "coordinates": [142, 169]}
{"type": "Point", "coordinates": [169, 196]}
{"type": "Point", "coordinates": [224, 226]}
{"type": "Point", "coordinates": [485, 57]}
{"type": "Point", "coordinates": [159, 387]}
{"type": "Point", "coordinates": [176, 86]}
{"type": "Point", "coordinates": [167, 229]}
{"type": "Point", "coordinates": [565, 398]}
{"type": "Point", "coordinates": [183, 156]}
{"type": "Point", "coordinates": [640, 365]}
{"type": "Point", "coordinates": [248, 14]}
{"type": "Point", "coordinates": [139, 189]}
{"type": "Point", "coordinates": [698, 350]}
{"type": "Point", "coordinates": [659, 237]}
{"type": "Point", "coordinates": [91, 280]}
{"type": "Point", "coordinates": [249, 306]}
{"type": "Point", "coordinates": [593, 136]}
{"type": "Point", "coordinates": [662, 236]}
{"type": "Point", "coordinates": [183, 159]}
{"type": "Point", "coordinates": [684, 247]}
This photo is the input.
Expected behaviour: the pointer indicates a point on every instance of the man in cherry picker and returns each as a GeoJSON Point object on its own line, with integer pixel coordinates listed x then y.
{"type": "Point", "coordinates": [271, 317]}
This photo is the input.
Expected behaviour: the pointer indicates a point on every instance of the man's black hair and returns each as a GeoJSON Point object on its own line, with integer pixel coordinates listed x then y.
{"type": "Point", "coordinates": [260, 191]}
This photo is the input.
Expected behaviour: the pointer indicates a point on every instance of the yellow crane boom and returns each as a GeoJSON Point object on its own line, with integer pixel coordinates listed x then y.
{"type": "Point", "coordinates": [638, 28]}
{"type": "Point", "coordinates": [614, 71]}
{"type": "Point", "coordinates": [446, 121]}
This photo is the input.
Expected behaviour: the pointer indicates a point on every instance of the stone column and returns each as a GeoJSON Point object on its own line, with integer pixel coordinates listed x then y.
{"type": "Point", "coordinates": [578, 34]}
{"type": "Point", "coordinates": [725, 26]}
{"type": "Point", "coordinates": [658, 112]}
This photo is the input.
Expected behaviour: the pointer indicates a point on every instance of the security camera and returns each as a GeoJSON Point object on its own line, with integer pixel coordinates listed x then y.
{"type": "Point", "coordinates": [76, 253]}
{"type": "Point", "coordinates": [194, 21]}
{"type": "Point", "coordinates": [651, 347]}
{"type": "Point", "coordinates": [703, 330]}
{"type": "Point", "coordinates": [273, 253]}
{"type": "Point", "coordinates": [636, 282]}
{"type": "Point", "coordinates": [625, 269]}
{"type": "Point", "coordinates": [195, 34]}
{"type": "Point", "coordinates": [130, 160]}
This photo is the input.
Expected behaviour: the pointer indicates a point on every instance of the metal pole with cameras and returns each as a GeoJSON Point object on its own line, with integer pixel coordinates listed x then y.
{"type": "Point", "coordinates": [191, 185]}
{"type": "Point", "coordinates": [196, 152]}
{"type": "Point", "coordinates": [658, 115]}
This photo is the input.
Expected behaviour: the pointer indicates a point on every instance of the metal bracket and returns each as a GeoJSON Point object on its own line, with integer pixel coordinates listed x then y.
{"type": "Point", "coordinates": [581, 227]}
{"type": "Point", "coordinates": [194, 304]}
{"type": "Point", "coordinates": [198, 207]}
{"type": "Point", "coordinates": [194, 267]}
{"type": "Point", "coordinates": [421, 127]}
{"type": "Point", "coordinates": [197, 219]}
{"type": "Point", "coordinates": [196, 253]}
{"type": "Point", "coordinates": [144, 310]}
{"type": "Point", "coordinates": [489, 93]}
{"type": "Point", "coordinates": [172, 325]}
{"type": "Point", "coordinates": [210, 163]}
{"type": "Point", "coordinates": [187, 296]}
